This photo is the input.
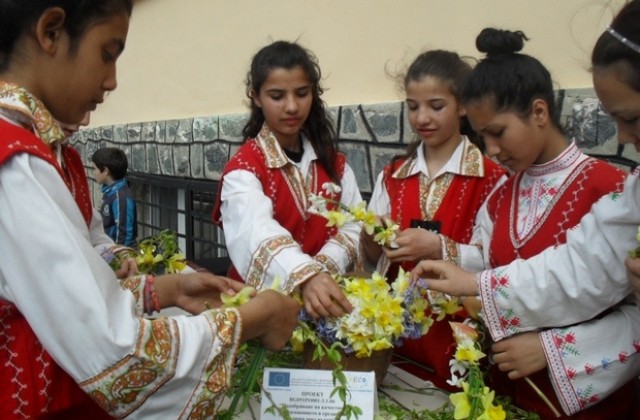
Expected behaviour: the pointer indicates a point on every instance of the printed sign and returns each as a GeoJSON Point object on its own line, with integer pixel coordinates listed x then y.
{"type": "Point", "coordinates": [307, 393]}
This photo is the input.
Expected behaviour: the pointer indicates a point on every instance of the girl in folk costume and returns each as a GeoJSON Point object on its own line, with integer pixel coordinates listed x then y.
{"type": "Point", "coordinates": [439, 184]}
{"type": "Point", "coordinates": [74, 343]}
{"type": "Point", "coordinates": [577, 281]}
{"type": "Point", "coordinates": [509, 100]}
{"type": "Point", "coordinates": [263, 205]}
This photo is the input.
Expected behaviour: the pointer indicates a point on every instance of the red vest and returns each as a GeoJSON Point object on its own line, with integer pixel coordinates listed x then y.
{"type": "Point", "coordinates": [33, 385]}
{"type": "Point", "coordinates": [289, 207]}
{"type": "Point", "coordinates": [589, 181]}
{"type": "Point", "coordinates": [457, 213]}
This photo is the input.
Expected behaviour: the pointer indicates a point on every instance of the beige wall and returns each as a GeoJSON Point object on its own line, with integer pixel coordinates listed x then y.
{"type": "Point", "coordinates": [188, 58]}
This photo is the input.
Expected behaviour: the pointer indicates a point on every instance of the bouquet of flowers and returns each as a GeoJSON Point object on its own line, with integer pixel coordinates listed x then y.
{"type": "Point", "coordinates": [382, 316]}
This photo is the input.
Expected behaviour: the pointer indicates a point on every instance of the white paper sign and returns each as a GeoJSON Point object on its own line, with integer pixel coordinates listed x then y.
{"type": "Point", "coordinates": [306, 393]}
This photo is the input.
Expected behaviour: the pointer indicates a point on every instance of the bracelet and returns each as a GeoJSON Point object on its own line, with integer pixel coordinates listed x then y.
{"type": "Point", "coordinates": [150, 298]}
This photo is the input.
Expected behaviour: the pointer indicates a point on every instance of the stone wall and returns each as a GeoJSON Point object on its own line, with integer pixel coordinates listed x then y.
{"type": "Point", "coordinates": [369, 134]}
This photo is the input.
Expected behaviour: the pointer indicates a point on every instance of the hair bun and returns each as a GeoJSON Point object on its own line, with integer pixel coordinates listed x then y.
{"type": "Point", "coordinates": [494, 42]}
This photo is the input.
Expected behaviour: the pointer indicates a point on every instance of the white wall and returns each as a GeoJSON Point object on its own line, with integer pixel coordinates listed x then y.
{"type": "Point", "coordinates": [189, 58]}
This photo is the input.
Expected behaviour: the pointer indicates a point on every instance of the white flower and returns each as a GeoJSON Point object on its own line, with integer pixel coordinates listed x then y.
{"type": "Point", "coordinates": [318, 205]}
{"type": "Point", "coordinates": [331, 188]}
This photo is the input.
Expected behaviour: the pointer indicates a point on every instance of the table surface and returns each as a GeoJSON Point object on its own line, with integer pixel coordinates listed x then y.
{"type": "Point", "coordinates": [403, 388]}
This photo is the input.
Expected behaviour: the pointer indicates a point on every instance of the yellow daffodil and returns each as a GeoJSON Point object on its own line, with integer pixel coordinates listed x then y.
{"type": "Point", "coordinates": [402, 282]}
{"type": "Point", "coordinates": [146, 258]}
{"type": "Point", "coordinates": [176, 263]}
{"type": "Point", "coordinates": [491, 412]}
{"type": "Point", "coordinates": [467, 352]}
{"type": "Point", "coordinates": [335, 218]}
{"type": "Point", "coordinates": [461, 404]}
{"type": "Point", "coordinates": [240, 298]}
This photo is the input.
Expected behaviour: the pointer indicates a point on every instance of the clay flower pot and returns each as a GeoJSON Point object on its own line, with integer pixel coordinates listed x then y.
{"type": "Point", "coordinates": [378, 361]}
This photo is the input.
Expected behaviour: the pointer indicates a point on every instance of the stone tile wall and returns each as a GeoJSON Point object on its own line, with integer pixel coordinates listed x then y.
{"type": "Point", "coordinates": [369, 134]}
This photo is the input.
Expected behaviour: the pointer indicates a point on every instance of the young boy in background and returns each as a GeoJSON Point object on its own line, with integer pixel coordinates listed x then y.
{"type": "Point", "coordinates": [118, 208]}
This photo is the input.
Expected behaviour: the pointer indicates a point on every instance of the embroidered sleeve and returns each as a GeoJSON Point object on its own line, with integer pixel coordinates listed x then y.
{"type": "Point", "coordinates": [125, 387]}
{"type": "Point", "coordinates": [450, 251]}
{"type": "Point", "coordinates": [341, 253]}
{"type": "Point", "coordinates": [590, 361]}
{"type": "Point", "coordinates": [565, 284]}
{"type": "Point", "coordinates": [135, 285]}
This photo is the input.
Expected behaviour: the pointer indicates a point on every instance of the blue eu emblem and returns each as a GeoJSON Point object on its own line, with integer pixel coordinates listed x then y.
{"type": "Point", "coordinates": [279, 378]}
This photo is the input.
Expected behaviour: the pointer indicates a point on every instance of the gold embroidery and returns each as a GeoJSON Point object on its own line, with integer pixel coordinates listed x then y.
{"type": "Point", "coordinates": [124, 387]}
{"type": "Point", "coordinates": [302, 273]}
{"type": "Point", "coordinates": [217, 374]}
{"type": "Point", "coordinates": [18, 100]}
{"type": "Point", "coordinates": [328, 263]}
{"type": "Point", "coordinates": [450, 250]}
{"type": "Point", "coordinates": [438, 189]}
{"type": "Point", "coordinates": [263, 256]}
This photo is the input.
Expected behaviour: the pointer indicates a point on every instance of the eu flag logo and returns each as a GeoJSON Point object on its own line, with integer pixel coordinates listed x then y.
{"type": "Point", "coordinates": [279, 378]}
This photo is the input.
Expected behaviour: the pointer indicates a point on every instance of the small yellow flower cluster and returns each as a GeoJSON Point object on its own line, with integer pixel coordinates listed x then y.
{"type": "Point", "coordinates": [382, 315]}
{"type": "Point", "coordinates": [160, 251]}
{"type": "Point", "coordinates": [383, 229]}
{"type": "Point", "coordinates": [476, 400]}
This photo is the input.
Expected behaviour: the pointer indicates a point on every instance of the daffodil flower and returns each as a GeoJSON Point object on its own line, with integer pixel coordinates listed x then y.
{"type": "Point", "coordinates": [461, 403]}
{"type": "Point", "coordinates": [240, 298]}
{"type": "Point", "coordinates": [176, 263]}
{"type": "Point", "coordinates": [336, 218]}
{"type": "Point", "coordinates": [146, 258]}
{"type": "Point", "coordinates": [467, 352]}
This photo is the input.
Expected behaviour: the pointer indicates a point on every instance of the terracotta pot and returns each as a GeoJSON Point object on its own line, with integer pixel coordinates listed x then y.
{"type": "Point", "coordinates": [378, 361]}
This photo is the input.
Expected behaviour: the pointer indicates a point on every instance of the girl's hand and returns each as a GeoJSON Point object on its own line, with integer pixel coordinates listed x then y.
{"type": "Point", "coordinates": [633, 274]}
{"type": "Point", "coordinates": [271, 317]}
{"type": "Point", "coordinates": [520, 355]}
{"type": "Point", "coordinates": [323, 297]}
{"type": "Point", "coordinates": [128, 268]}
{"type": "Point", "coordinates": [415, 244]}
{"type": "Point", "coordinates": [194, 292]}
{"type": "Point", "coordinates": [446, 277]}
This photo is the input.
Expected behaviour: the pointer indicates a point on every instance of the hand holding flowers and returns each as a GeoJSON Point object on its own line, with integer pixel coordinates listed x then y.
{"type": "Point", "coordinates": [337, 214]}
{"type": "Point", "coordinates": [382, 315]}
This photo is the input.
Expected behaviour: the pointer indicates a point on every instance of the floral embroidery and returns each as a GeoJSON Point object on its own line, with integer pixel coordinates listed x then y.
{"type": "Point", "coordinates": [263, 256]}
{"type": "Point", "coordinates": [450, 250]}
{"type": "Point", "coordinates": [623, 356]}
{"type": "Point", "coordinates": [122, 388]}
{"type": "Point", "coordinates": [439, 189]}
{"type": "Point", "coordinates": [17, 99]}
{"type": "Point", "coordinates": [302, 273]}
{"type": "Point", "coordinates": [586, 396]}
{"type": "Point", "coordinates": [328, 264]}
{"type": "Point", "coordinates": [565, 342]}
{"type": "Point", "coordinates": [210, 392]}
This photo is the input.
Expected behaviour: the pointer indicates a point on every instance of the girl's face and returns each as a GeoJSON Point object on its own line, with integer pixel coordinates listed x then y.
{"type": "Point", "coordinates": [433, 111]}
{"type": "Point", "coordinates": [285, 98]}
{"type": "Point", "coordinates": [79, 80]}
{"type": "Point", "coordinates": [620, 101]}
{"type": "Point", "coordinates": [515, 142]}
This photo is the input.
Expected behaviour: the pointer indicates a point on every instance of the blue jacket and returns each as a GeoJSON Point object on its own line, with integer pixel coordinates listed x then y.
{"type": "Point", "coordinates": [118, 211]}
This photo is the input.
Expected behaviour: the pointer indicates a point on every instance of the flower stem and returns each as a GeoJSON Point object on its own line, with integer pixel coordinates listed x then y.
{"type": "Point", "coordinates": [246, 385]}
{"type": "Point", "coordinates": [544, 397]}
